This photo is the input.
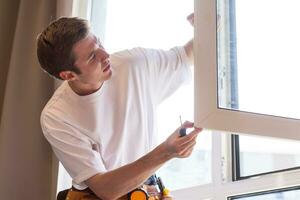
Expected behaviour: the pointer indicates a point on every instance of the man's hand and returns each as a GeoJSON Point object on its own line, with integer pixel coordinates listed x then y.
{"type": "Point", "coordinates": [182, 147]}
{"type": "Point", "coordinates": [188, 47]}
{"type": "Point", "coordinates": [190, 18]}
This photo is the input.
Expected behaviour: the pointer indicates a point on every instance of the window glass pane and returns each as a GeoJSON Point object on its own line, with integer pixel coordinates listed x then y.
{"type": "Point", "coordinates": [161, 24]}
{"type": "Point", "coordinates": [153, 24]}
{"type": "Point", "coordinates": [284, 194]}
{"type": "Point", "coordinates": [258, 61]}
{"type": "Point", "coordinates": [261, 155]}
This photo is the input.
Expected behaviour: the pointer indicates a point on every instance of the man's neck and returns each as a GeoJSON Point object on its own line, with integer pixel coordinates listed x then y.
{"type": "Point", "coordinates": [84, 89]}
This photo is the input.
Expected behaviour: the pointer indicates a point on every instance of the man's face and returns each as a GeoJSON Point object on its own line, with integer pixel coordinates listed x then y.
{"type": "Point", "coordinates": [92, 61]}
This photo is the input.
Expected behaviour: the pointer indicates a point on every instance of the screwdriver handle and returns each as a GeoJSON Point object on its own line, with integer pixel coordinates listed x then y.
{"type": "Point", "coordinates": [182, 132]}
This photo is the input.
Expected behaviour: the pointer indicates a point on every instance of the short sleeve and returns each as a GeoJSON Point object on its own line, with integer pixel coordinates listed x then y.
{"type": "Point", "coordinates": [74, 150]}
{"type": "Point", "coordinates": [168, 70]}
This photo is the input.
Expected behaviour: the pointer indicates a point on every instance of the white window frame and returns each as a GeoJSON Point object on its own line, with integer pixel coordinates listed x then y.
{"type": "Point", "coordinates": [222, 185]}
{"type": "Point", "coordinates": [207, 113]}
{"type": "Point", "coordinates": [209, 116]}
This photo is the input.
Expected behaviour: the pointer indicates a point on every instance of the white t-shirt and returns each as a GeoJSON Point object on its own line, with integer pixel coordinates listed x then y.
{"type": "Point", "coordinates": [115, 125]}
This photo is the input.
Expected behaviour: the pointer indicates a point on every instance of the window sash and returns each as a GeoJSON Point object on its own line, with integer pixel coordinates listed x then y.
{"type": "Point", "coordinates": [264, 193]}
{"type": "Point", "coordinates": [207, 113]}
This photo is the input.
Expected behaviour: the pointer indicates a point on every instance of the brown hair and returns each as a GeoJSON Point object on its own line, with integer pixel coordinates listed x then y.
{"type": "Point", "coordinates": [55, 43]}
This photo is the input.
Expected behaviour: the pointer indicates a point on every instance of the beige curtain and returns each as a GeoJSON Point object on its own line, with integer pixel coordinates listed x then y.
{"type": "Point", "coordinates": [27, 168]}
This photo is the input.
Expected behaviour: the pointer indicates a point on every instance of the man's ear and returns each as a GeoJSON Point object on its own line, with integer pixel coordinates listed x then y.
{"type": "Point", "coordinates": [67, 75]}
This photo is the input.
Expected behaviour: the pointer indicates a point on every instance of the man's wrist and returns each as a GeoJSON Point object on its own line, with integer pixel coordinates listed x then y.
{"type": "Point", "coordinates": [163, 152]}
{"type": "Point", "coordinates": [157, 156]}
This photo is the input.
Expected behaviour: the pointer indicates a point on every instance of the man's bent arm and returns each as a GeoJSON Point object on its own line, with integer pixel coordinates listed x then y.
{"type": "Point", "coordinates": [118, 182]}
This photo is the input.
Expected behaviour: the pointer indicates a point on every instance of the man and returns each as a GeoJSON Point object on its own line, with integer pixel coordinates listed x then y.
{"type": "Point", "coordinates": [100, 121]}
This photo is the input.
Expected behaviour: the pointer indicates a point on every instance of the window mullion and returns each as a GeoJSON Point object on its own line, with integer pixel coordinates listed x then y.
{"type": "Point", "coordinates": [217, 169]}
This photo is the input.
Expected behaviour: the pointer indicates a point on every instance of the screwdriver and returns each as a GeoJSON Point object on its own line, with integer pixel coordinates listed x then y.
{"type": "Point", "coordinates": [182, 131]}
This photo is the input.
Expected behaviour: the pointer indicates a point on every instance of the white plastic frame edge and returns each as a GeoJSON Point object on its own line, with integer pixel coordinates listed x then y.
{"type": "Point", "coordinates": [207, 113]}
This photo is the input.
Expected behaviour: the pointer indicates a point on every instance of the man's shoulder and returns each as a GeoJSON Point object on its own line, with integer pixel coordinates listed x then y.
{"type": "Point", "coordinates": [59, 95]}
{"type": "Point", "coordinates": [137, 55]}
{"type": "Point", "coordinates": [134, 53]}
{"type": "Point", "coordinates": [55, 104]}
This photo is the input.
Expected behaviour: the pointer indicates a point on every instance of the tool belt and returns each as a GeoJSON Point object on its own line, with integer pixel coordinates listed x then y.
{"type": "Point", "coordinates": [152, 189]}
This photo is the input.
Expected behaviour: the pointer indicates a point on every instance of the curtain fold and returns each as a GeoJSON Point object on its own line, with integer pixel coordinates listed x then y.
{"type": "Point", "coordinates": [26, 162]}
{"type": "Point", "coordinates": [64, 8]}
{"type": "Point", "coordinates": [8, 18]}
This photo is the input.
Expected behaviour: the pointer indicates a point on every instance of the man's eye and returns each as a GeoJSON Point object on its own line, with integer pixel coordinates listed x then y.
{"type": "Point", "coordinates": [93, 57]}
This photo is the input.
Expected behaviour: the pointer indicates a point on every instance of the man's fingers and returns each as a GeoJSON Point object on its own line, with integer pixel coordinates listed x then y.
{"type": "Point", "coordinates": [194, 133]}
{"type": "Point", "coordinates": [190, 18]}
{"type": "Point", "coordinates": [190, 145]}
{"type": "Point", "coordinates": [188, 150]}
{"type": "Point", "coordinates": [187, 124]}
{"type": "Point", "coordinates": [189, 138]}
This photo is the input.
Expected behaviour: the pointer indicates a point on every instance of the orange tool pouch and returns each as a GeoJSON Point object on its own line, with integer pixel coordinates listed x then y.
{"type": "Point", "coordinates": [138, 194]}
{"type": "Point", "coordinates": [87, 194]}
{"type": "Point", "coordinates": [145, 192]}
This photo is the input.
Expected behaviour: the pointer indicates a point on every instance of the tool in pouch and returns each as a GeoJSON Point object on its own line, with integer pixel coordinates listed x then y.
{"type": "Point", "coordinates": [142, 193]}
